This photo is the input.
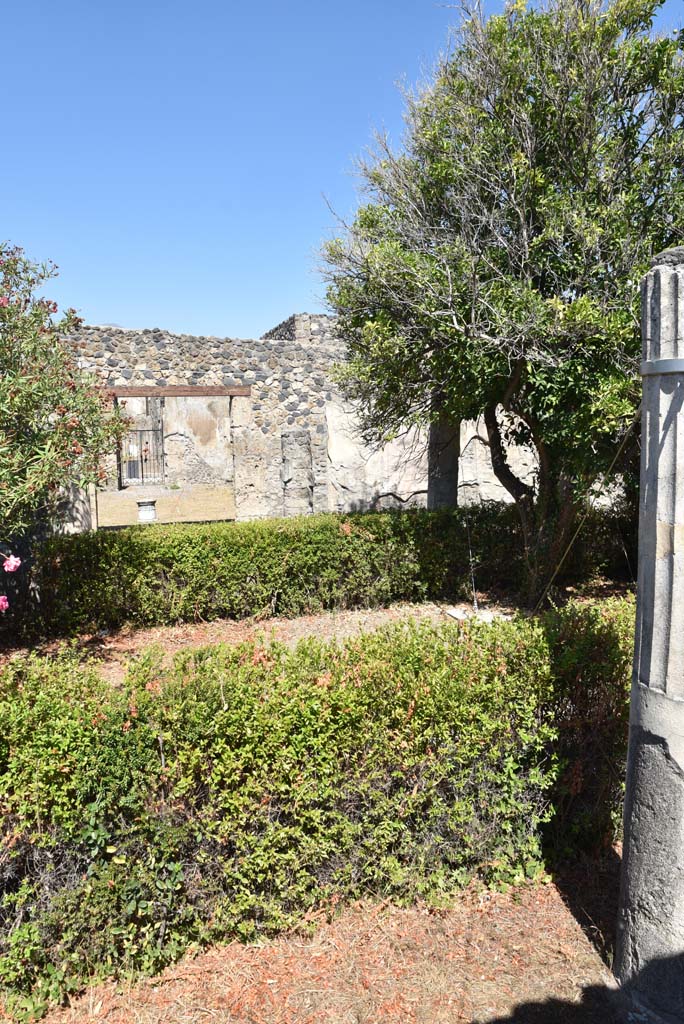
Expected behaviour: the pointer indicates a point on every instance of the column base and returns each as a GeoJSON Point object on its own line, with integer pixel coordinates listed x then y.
{"type": "Point", "coordinates": [649, 960]}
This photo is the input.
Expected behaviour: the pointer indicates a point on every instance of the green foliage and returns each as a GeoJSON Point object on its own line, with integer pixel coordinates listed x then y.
{"type": "Point", "coordinates": [55, 424]}
{"type": "Point", "coordinates": [167, 574]}
{"type": "Point", "coordinates": [592, 647]}
{"type": "Point", "coordinates": [495, 268]}
{"type": "Point", "coordinates": [233, 792]}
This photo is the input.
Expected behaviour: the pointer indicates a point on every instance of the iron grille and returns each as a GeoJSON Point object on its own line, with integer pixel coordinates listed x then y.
{"type": "Point", "coordinates": [142, 458]}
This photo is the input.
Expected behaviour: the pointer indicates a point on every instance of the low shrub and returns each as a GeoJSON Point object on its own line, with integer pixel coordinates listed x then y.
{"type": "Point", "coordinates": [160, 575]}
{"type": "Point", "coordinates": [235, 791]}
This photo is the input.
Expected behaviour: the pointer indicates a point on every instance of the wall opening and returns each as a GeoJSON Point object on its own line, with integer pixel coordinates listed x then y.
{"type": "Point", "coordinates": [141, 456]}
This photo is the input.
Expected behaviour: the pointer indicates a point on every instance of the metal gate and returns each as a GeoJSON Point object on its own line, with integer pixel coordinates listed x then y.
{"type": "Point", "coordinates": [142, 458]}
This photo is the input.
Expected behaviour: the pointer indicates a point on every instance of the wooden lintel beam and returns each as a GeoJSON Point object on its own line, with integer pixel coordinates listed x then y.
{"type": "Point", "coordinates": [181, 391]}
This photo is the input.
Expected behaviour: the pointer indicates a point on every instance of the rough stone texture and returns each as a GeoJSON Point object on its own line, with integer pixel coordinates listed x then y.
{"type": "Point", "coordinates": [238, 440]}
{"type": "Point", "coordinates": [197, 441]}
{"type": "Point", "coordinates": [75, 511]}
{"type": "Point", "coordinates": [297, 472]}
{"type": "Point", "coordinates": [670, 257]}
{"type": "Point", "coordinates": [650, 951]}
{"type": "Point", "coordinates": [360, 477]}
{"type": "Point", "coordinates": [652, 914]}
{"type": "Point", "coordinates": [293, 446]}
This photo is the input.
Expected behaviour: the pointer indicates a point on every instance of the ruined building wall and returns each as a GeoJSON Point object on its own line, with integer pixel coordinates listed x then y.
{"type": "Point", "coordinates": [290, 448]}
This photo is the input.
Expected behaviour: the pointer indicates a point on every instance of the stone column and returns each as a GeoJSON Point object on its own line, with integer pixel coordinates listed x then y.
{"type": "Point", "coordinates": [650, 942]}
{"type": "Point", "coordinates": [444, 452]}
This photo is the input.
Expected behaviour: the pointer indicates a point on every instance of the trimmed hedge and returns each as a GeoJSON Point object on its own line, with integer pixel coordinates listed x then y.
{"type": "Point", "coordinates": [232, 793]}
{"type": "Point", "coordinates": [167, 574]}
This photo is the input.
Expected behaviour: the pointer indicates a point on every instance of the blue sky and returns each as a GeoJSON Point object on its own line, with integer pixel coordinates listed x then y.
{"type": "Point", "coordinates": [177, 160]}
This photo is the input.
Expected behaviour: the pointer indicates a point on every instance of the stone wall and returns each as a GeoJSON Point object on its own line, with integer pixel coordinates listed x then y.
{"type": "Point", "coordinates": [290, 448]}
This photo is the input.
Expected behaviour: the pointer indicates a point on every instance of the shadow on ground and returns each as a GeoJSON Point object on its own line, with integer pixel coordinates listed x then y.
{"type": "Point", "coordinates": [659, 986]}
{"type": "Point", "coordinates": [590, 888]}
{"type": "Point", "coordinates": [599, 1006]}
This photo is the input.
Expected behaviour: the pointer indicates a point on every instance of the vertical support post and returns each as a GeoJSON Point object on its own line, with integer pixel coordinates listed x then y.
{"type": "Point", "coordinates": [650, 942]}
{"type": "Point", "coordinates": [444, 452]}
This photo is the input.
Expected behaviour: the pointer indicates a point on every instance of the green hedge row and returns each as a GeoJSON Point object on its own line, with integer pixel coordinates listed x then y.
{"type": "Point", "coordinates": [168, 574]}
{"type": "Point", "coordinates": [233, 792]}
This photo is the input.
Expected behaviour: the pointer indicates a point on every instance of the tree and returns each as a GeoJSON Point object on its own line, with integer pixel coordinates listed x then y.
{"type": "Point", "coordinates": [55, 423]}
{"type": "Point", "coordinates": [493, 270]}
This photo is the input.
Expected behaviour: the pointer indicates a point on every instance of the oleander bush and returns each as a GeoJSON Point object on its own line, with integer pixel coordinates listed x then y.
{"type": "Point", "coordinates": [167, 574]}
{"type": "Point", "coordinates": [240, 788]}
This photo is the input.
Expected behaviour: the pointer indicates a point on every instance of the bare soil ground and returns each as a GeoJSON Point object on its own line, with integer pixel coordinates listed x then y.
{"type": "Point", "coordinates": [113, 650]}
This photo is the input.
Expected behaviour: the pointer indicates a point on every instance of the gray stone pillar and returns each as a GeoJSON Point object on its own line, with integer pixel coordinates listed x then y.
{"type": "Point", "coordinates": [650, 942]}
{"type": "Point", "coordinates": [444, 452]}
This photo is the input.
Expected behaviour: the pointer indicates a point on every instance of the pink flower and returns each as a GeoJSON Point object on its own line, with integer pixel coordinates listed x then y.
{"type": "Point", "coordinates": [4, 603]}
{"type": "Point", "coordinates": [11, 563]}
{"type": "Point", "coordinates": [4, 301]}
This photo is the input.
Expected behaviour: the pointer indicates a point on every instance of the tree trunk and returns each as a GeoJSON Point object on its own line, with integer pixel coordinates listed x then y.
{"type": "Point", "coordinates": [547, 516]}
